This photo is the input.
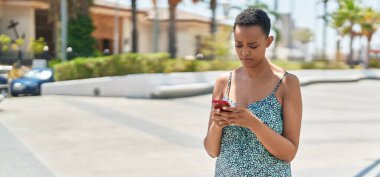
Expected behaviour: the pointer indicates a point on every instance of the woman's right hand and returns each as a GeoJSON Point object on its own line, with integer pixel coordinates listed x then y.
{"type": "Point", "coordinates": [217, 119]}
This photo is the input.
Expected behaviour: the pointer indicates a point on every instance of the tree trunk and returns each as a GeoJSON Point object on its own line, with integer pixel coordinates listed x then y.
{"type": "Point", "coordinates": [213, 27]}
{"type": "Point", "coordinates": [274, 56]}
{"type": "Point", "coordinates": [350, 55]}
{"type": "Point", "coordinates": [172, 32]}
{"type": "Point", "coordinates": [369, 39]}
{"type": "Point", "coordinates": [156, 29]}
{"type": "Point", "coordinates": [134, 28]}
{"type": "Point", "coordinates": [337, 55]}
{"type": "Point", "coordinates": [324, 34]}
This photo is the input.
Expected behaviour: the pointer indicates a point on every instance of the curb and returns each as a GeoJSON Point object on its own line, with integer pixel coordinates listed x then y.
{"type": "Point", "coordinates": [177, 85]}
{"type": "Point", "coordinates": [176, 91]}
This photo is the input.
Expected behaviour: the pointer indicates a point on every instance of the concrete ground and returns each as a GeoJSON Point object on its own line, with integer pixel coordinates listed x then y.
{"type": "Point", "coordinates": [67, 136]}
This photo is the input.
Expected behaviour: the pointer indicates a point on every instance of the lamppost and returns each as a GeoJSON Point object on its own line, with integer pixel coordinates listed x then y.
{"type": "Point", "coordinates": [45, 54]}
{"type": "Point", "coordinates": [116, 29]}
{"type": "Point", "coordinates": [69, 51]}
{"type": "Point", "coordinates": [64, 22]}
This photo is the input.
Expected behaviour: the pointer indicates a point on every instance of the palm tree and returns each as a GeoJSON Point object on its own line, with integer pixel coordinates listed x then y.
{"type": "Point", "coordinates": [276, 16]}
{"type": "Point", "coordinates": [369, 25]}
{"type": "Point", "coordinates": [345, 17]}
{"type": "Point", "coordinates": [172, 27]}
{"type": "Point", "coordinates": [337, 24]}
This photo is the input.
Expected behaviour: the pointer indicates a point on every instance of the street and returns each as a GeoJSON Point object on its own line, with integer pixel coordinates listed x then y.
{"type": "Point", "coordinates": [70, 136]}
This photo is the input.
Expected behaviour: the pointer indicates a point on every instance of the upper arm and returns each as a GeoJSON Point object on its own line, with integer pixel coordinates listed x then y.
{"type": "Point", "coordinates": [292, 109]}
{"type": "Point", "coordinates": [217, 93]}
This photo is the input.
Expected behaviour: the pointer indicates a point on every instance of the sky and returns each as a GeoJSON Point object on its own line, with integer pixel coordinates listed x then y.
{"type": "Point", "coordinates": [304, 13]}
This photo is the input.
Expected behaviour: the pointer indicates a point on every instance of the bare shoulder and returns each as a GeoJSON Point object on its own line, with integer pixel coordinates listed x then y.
{"type": "Point", "coordinates": [291, 84]}
{"type": "Point", "coordinates": [220, 85]}
{"type": "Point", "coordinates": [291, 80]}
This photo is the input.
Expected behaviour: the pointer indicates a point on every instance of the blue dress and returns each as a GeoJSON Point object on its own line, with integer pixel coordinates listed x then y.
{"type": "Point", "coordinates": [241, 153]}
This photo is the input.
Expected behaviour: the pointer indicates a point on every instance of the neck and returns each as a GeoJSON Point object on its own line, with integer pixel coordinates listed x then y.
{"type": "Point", "coordinates": [259, 70]}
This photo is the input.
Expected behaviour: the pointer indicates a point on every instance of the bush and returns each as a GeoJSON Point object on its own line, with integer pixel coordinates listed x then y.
{"type": "Point", "coordinates": [54, 62]}
{"type": "Point", "coordinates": [288, 65]}
{"type": "Point", "coordinates": [374, 63]}
{"type": "Point", "coordinates": [132, 63]}
{"type": "Point", "coordinates": [325, 64]}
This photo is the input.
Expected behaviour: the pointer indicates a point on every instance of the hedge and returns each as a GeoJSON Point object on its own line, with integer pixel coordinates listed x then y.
{"type": "Point", "coordinates": [132, 63]}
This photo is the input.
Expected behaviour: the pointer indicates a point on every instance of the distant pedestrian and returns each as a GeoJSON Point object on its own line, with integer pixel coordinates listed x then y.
{"type": "Point", "coordinates": [259, 134]}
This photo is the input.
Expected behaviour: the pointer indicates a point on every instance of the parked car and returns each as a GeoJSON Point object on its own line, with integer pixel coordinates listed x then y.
{"type": "Point", "coordinates": [4, 70]}
{"type": "Point", "coordinates": [31, 82]}
{"type": "Point", "coordinates": [3, 85]}
{"type": "Point", "coordinates": [3, 80]}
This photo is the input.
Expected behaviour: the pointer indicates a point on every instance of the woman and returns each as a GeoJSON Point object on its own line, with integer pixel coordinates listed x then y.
{"type": "Point", "coordinates": [259, 134]}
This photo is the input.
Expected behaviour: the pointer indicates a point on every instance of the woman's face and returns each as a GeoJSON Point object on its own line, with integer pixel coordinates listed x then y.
{"type": "Point", "coordinates": [250, 44]}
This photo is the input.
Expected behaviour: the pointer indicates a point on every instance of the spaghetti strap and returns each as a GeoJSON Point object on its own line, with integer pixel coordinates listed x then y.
{"type": "Point", "coordinates": [227, 93]}
{"type": "Point", "coordinates": [279, 82]}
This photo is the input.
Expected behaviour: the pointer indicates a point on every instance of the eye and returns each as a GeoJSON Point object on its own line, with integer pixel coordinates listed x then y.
{"type": "Point", "coordinates": [253, 47]}
{"type": "Point", "coordinates": [238, 46]}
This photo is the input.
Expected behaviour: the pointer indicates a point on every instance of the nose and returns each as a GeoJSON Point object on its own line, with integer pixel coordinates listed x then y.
{"type": "Point", "coordinates": [245, 51]}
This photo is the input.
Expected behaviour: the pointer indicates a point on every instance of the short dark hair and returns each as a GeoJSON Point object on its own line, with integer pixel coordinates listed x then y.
{"type": "Point", "coordinates": [252, 17]}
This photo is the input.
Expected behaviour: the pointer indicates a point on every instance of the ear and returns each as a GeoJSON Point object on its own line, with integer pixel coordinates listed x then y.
{"type": "Point", "coordinates": [269, 41]}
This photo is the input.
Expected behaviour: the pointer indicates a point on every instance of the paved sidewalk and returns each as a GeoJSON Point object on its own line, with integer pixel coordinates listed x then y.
{"type": "Point", "coordinates": [67, 136]}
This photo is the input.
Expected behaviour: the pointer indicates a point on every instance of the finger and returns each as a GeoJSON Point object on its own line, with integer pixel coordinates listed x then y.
{"type": "Point", "coordinates": [233, 122]}
{"type": "Point", "coordinates": [221, 118]}
{"type": "Point", "coordinates": [227, 114]}
{"type": "Point", "coordinates": [216, 110]}
{"type": "Point", "coordinates": [223, 123]}
{"type": "Point", "coordinates": [231, 109]}
{"type": "Point", "coordinates": [233, 119]}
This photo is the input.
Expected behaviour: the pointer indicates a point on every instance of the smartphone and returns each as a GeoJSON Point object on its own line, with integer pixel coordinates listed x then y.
{"type": "Point", "coordinates": [221, 103]}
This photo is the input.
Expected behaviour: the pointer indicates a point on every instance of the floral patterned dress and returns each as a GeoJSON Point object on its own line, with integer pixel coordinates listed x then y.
{"type": "Point", "coordinates": [242, 154]}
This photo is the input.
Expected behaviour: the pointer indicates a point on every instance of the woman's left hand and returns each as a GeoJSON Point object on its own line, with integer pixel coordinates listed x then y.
{"type": "Point", "coordinates": [239, 116]}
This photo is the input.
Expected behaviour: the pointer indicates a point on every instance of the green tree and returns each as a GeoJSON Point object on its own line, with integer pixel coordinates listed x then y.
{"type": "Point", "coordinates": [75, 8]}
{"type": "Point", "coordinates": [37, 45]}
{"type": "Point", "coordinates": [344, 18]}
{"type": "Point", "coordinates": [215, 46]}
{"type": "Point", "coordinates": [369, 23]}
{"type": "Point", "coordinates": [172, 45]}
{"type": "Point", "coordinates": [336, 23]}
{"type": "Point", "coordinates": [275, 15]}
{"type": "Point", "coordinates": [80, 35]}
{"type": "Point", "coordinates": [4, 42]}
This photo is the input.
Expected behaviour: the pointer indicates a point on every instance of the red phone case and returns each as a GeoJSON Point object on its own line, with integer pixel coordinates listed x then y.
{"type": "Point", "coordinates": [221, 103]}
